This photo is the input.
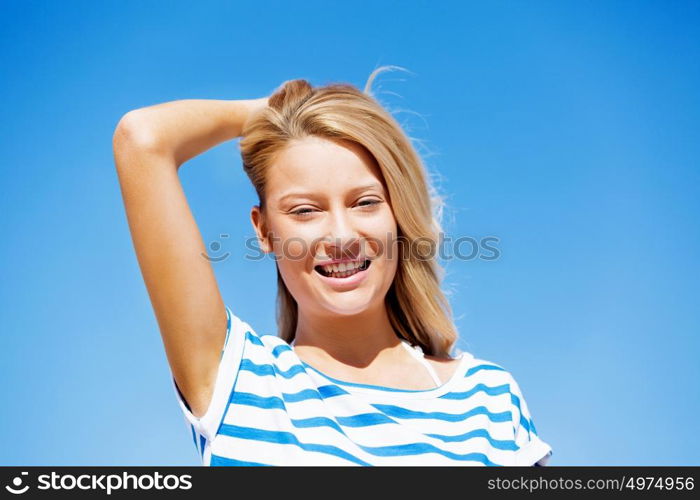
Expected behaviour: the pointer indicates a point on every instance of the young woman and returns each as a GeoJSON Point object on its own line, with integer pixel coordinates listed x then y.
{"type": "Point", "coordinates": [360, 372]}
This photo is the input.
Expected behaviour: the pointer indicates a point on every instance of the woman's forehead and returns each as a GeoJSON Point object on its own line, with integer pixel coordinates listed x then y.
{"type": "Point", "coordinates": [318, 165]}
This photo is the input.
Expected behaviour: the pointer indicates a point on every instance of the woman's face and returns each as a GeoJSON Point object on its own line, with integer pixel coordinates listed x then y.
{"type": "Point", "coordinates": [326, 201]}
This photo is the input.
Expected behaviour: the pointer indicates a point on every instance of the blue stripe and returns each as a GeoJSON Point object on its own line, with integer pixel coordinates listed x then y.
{"type": "Point", "coordinates": [320, 393]}
{"type": "Point", "coordinates": [478, 368]}
{"type": "Point", "coordinates": [398, 412]}
{"type": "Point", "coordinates": [202, 441]}
{"type": "Point", "coordinates": [491, 391]}
{"type": "Point", "coordinates": [268, 369]}
{"type": "Point", "coordinates": [277, 351]}
{"type": "Point", "coordinates": [365, 420]}
{"type": "Point", "coordinates": [217, 461]}
{"type": "Point", "coordinates": [361, 420]}
{"type": "Point", "coordinates": [524, 422]}
{"type": "Point", "coordinates": [303, 395]}
{"type": "Point", "coordinates": [422, 448]}
{"type": "Point", "coordinates": [253, 339]}
{"type": "Point", "coordinates": [280, 437]}
{"type": "Point", "coordinates": [275, 403]}
{"type": "Point", "coordinates": [330, 391]}
{"type": "Point", "coordinates": [194, 436]}
{"type": "Point", "coordinates": [316, 422]}
{"type": "Point", "coordinates": [496, 443]}
{"type": "Point", "coordinates": [249, 399]}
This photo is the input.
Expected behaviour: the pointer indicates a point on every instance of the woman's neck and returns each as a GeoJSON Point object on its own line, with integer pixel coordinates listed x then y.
{"type": "Point", "coordinates": [355, 340]}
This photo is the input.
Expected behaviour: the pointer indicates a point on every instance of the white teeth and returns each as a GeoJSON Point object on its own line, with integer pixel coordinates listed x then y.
{"type": "Point", "coordinates": [342, 267]}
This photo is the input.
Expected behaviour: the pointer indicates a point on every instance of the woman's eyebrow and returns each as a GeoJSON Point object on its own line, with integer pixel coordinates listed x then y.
{"type": "Point", "coordinates": [354, 190]}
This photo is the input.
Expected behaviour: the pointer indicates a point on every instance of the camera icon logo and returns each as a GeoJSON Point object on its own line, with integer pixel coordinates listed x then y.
{"type": "Point", "coordinates": [215, 246]}
{"type": "Point", "coordinates": [17, 483]}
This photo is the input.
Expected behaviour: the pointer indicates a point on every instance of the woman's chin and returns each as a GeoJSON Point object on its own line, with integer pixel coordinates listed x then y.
{"type": "Point", "coordinates": [345, 305]}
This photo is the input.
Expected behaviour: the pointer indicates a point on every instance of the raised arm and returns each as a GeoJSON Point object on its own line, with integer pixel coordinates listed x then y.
{"type": "Point", "coordinates": [150, 144]}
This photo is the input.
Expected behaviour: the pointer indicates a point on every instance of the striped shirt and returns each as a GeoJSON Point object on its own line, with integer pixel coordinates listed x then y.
{"type": "Point", "coordinates": [271, 408]}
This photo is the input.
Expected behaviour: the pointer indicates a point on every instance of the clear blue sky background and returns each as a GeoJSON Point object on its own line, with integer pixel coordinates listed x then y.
{"type": "Point", "coordinates": [568, 130]}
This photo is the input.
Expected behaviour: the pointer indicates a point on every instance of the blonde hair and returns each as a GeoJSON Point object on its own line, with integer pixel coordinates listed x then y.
{"type": "Point", "coordinates": [417, 307]}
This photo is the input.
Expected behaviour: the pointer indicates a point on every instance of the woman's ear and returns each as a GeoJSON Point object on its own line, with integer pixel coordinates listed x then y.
{"type": "Point", "coordinates": [257, 218]}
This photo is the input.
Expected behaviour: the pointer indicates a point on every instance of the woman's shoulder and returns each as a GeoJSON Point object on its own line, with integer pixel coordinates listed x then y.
{"type": "Point", "coordinates": [475, 368]}
{"type": "Point", "coordinates": [239, 328]}
{"type": "Point", "coordinates": [447, 368]}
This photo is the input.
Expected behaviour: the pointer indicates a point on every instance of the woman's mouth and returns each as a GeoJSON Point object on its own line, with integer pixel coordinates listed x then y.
{"type": "Point", "coordinates": [348, 279]}
{"type": "Point", "coordinates": [346, 272]}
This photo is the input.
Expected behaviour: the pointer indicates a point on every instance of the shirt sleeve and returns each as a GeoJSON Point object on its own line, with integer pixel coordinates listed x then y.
{"type": "Point", "coordinates": [204, 428]}
{"type": "Point", "coordinates": [532, 450]}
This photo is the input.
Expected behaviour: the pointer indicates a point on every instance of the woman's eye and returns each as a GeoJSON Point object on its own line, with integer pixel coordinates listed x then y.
{"type": "Point", "coordinates": [306, 211]}
{"type": "Point", "coordinates": [371, 202]}
{"type": "Point", "coordinates": [302, 211]}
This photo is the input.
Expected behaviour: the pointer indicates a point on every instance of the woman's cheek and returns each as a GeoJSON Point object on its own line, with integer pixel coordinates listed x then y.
{"type": "Point", "coordinates": [295, 249]}
{"type": "Point", "coordinates": [289, 245]}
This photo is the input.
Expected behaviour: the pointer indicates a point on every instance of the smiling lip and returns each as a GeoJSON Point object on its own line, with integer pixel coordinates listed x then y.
{"type": "Point", "coordinates": [345, 283]}
{"type": "Point", "coordinates": [338, 261]}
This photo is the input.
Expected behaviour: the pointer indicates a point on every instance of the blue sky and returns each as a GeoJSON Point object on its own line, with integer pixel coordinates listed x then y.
{"type": "Point", "coordinates": [567, 130]}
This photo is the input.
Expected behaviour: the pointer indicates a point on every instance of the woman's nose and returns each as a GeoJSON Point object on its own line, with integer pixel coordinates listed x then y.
{"type": "Point", "coordinates": [341, 234]}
